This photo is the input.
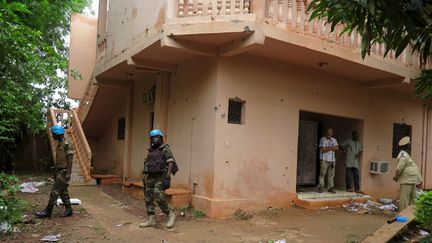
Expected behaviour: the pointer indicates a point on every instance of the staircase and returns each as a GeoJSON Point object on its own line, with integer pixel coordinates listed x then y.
{"type": "Point", "coordinates": [82, 153]}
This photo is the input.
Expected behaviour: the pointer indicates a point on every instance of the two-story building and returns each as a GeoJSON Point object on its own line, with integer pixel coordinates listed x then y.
{"type": "Point", "coordinates": [243, 90]}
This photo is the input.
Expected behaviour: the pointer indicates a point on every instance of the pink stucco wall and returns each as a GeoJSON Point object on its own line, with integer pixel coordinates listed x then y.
{"type": "Point", "coordinates": [82, 53]}
{"type": "Point", "coordinates": [258, 159]}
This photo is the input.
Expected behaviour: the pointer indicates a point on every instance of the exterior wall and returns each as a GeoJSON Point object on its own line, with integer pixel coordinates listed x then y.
{"type": "Point", "coordinates": [128, 22]}
{"type": "Point", "coordinates": [141, 125]}
{"type": "Point", "coordinates": [107, 150]}
{"type": "Point", "coordinates": [191, 123]}
{"type": "Point", "coordinates": [82, 53]}
{"type": "Point", "coordinates": [257, 161]}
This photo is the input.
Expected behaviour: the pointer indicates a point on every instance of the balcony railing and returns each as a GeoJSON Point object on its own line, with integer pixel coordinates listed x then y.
{"type": "Point", "coordinates": [293, 16]}
{"type": "Point", "coordinates": [212, 7]}
{"type": "Point", "coordinates": [289, 15]}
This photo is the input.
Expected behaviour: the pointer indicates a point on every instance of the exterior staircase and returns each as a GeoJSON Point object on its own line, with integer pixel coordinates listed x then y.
{"type": "Point", "coordinates": [82, 153]}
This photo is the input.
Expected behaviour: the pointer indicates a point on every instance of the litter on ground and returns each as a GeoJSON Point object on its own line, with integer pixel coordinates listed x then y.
{"type": "Point", "coordinates": [51, 238]}
{"type": "Point", "coordinates": [73, 201]}
{"type": "Point", "coordinates": [423, 233]}
{"type": "Point", "coordinates": [368, 207]}
{"type": "Point", "coordinates": [29, 187]}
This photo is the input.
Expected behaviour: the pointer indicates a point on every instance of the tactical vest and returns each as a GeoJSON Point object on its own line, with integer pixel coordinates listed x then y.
{"type": "Point", "coordinates": [155, 162]}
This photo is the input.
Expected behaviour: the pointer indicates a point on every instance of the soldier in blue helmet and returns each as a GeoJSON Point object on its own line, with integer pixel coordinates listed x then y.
{"type": "Point", "coordinates": [158, 168]}
{"type": "Point", "coordinates": [63, 167]}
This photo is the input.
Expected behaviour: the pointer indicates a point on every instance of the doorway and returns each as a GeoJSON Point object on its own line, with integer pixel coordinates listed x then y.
{"type": "Point", "coordinates": [312, 126]}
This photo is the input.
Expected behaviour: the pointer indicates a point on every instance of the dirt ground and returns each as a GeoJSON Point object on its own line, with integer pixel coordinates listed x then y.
{"type": "Point", "coordinates": [107, 215]}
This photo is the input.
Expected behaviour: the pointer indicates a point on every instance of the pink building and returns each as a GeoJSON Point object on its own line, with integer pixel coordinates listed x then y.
{"type": "Point", "coordinates": [243, 90]}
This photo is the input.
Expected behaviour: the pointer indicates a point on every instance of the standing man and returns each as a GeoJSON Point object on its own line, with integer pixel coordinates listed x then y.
{"type": "Point", "coordinates": [158, 167]}
{"type": "Point", "coordinates": [63, 166]}
{"type": "Point", "coordinates": [407, 175]}
{"type": "Point", "coordinates": [353, 149]}
{"type": "Point", "coordinates": [328, 146]}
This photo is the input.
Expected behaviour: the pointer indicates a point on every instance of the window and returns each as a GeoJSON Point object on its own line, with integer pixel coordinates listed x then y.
{"type": "Point", "coordinates": [399, 131]}
{"type": "Point", "coordinates": [236, 111]}
{"type": "Point", "coordinates": [121, 126]}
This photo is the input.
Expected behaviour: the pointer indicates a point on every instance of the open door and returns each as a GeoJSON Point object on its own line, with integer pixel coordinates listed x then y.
{"type": "Point", "coordinates": [307, 153]}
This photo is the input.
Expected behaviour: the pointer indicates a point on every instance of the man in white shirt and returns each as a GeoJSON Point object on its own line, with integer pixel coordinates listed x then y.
{"type": "Point", "coordinates": [328, 146]}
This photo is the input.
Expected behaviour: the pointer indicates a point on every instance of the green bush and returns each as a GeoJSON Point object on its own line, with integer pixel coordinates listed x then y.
{"type": "Point", "coordinates": [423, 211]}
{"type": "Point", "coordinates": [11, 207]}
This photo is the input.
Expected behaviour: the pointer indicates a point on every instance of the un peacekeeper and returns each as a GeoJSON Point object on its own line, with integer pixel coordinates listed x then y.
{"type": "Point", "coordinates": [407, 175]}
{"type": "Point", "coordinates": [158, 167]}
{"type": "Point", "coordinates": [63, 166]}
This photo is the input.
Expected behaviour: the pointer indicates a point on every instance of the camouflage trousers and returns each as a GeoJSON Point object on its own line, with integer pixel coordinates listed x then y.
{"type": "Point", "coordinates": [59, 189]}
{"type": "Point", "coordinates": [153, 191]}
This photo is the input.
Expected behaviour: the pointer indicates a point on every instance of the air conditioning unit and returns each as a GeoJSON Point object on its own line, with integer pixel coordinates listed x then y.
{"type": "Point", "coordinates": [379, 167]}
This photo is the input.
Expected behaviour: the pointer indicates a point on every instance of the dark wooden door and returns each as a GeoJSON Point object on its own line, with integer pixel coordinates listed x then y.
{"type": "Point", "coordinates": [307, 153]}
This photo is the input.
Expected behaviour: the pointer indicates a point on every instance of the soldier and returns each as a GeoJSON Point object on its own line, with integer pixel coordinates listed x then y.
{"type": "Point", "coordinates": [407, 175]}
{"type": "Point", "coordinates": [63, 166]}
{"type": "Point", "coordinates": [158, 167]}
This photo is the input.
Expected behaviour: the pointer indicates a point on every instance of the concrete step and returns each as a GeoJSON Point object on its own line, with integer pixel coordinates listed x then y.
{"type": "Point", "coordinates": [312, 200]}
{"type": "Point", "coordinates": [316, 195]}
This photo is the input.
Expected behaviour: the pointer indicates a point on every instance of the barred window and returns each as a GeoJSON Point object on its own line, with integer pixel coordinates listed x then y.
{"type": "Point", "coordinates": [121, 126]}
{"type": "Point", "coordinates": [236, 111]}
{"type": "Point", "coordinates": [399, 131]}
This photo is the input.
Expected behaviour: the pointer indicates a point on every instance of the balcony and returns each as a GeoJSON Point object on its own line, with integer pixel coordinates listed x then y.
{"type": "Point", "coordinates": [180, 30]}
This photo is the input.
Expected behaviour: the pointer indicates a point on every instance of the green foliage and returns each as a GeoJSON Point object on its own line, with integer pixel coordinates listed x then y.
{"type": "Point", "coordinates": [196, 213]}
{"type": "Point", "coordinates": [11, 207]}
{"type": "Point", "coordinates": [33, 64]}
{"type": "Point", "coordinates": [423, 211]}
{"type": "Point", "coordinates": [397, 24]}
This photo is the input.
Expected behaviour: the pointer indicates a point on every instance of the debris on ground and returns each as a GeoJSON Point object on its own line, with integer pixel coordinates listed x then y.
{"type": "Point", "coordinates": [369, 207]}
{"type": "Point", "coordinates": [242, 215]}
{"type": "Point", "coordinates": [73, 201]}
{"type": "Point", "coordinates": [385, 200]}
{"type": "Point", "coordinates": [29, 187]}
{"type": "Point", "coordinates": [123, 224]}
{"type": "Point", "coordinates": [51, 238]}
{"type": "Point", "coordinates": [4, 227]}
{"type": "Point", "coordinates": [423, 233]}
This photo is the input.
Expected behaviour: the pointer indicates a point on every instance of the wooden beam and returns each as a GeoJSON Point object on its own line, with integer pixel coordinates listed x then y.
{"type": "Point", "coordinates": [143, 64]}
{"type": "Point", "coordinates": [188, 47]}
{"type": "Point", "coordinates": [236, 47]}
{"type": "Point", "coordinates": [386, 83]}
{"type": "Point", "coordinates": [388, 231]}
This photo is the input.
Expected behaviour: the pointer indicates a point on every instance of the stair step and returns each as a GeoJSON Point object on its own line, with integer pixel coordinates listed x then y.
{"type": "Point", "coordinates": [316, 195]}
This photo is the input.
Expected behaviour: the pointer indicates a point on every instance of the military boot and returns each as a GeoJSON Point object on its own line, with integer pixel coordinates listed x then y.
{"type": "Point", "coordinates": [68, 211]}
{"type": "Point", "coordinates": [45, 213]}
{"type": "Point", "coordinates": [151, 221]}
{"type": "Point", "coordinates": [170, 220]}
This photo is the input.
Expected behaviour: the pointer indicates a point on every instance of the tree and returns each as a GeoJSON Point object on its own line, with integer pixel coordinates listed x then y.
{"type": "Point", "coordinates": [396, 23]}
{"type": "Point", "coordinates": [33, 64]}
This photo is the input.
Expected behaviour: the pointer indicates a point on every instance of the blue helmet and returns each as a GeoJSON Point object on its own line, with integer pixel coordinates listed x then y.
{"type": "Point", "coordinates": [155, 132]}
{"type": "Point", "coordinates": [58, 129]}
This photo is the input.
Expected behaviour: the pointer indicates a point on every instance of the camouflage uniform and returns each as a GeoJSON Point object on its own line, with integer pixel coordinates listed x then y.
{"type": "Point", "coordinates": [154, 178]}
{"type": "Point", "coordinates": [59, 189]}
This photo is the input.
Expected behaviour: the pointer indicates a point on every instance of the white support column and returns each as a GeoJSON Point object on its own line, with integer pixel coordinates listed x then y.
{"type": "Point", "coordinates": [128, 132]}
